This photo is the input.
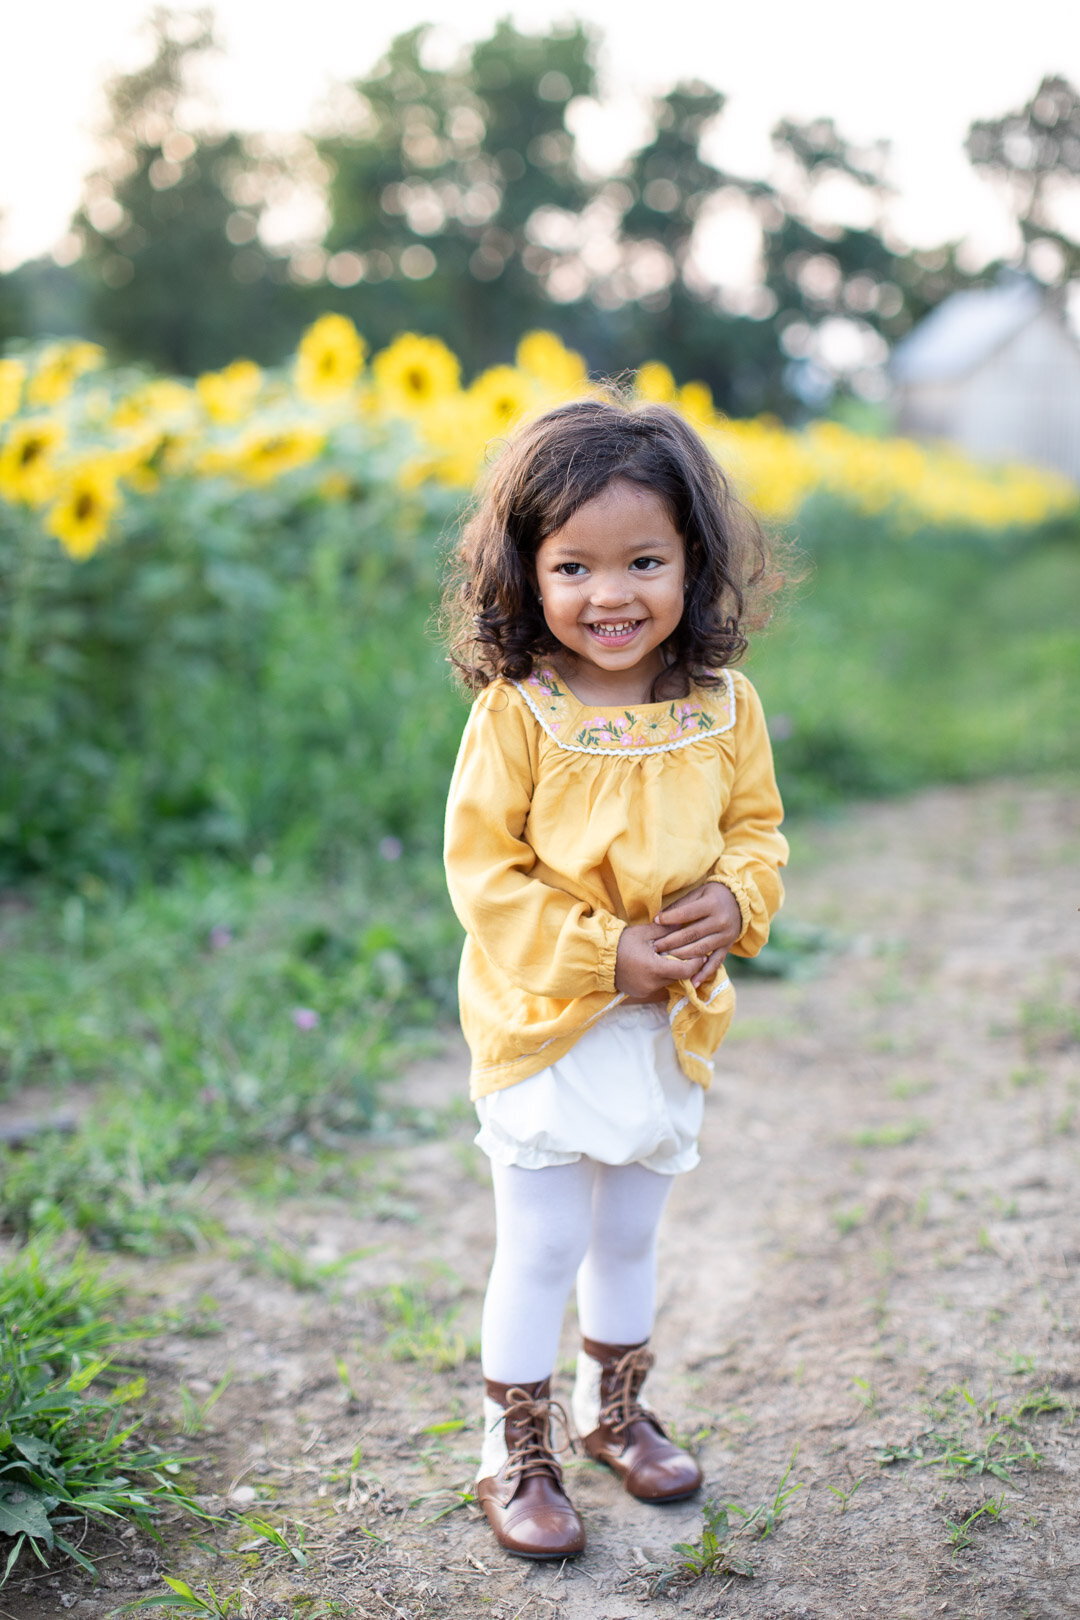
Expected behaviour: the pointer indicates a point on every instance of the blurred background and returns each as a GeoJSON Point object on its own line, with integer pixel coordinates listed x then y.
{"type": "Point", "coordinates": [271, 296]}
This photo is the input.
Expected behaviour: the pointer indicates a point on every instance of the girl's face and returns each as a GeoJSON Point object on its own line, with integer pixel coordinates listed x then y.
{"type": "Point", "coordinates": [611, 583]}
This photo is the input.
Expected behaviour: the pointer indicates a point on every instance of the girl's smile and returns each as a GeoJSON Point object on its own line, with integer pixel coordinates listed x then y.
{"type": "Point", "coordinates": [611, 582]}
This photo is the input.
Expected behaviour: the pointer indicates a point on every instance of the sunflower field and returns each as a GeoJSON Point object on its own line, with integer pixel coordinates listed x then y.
{"type": "Point", "coordinates": [217, 596]}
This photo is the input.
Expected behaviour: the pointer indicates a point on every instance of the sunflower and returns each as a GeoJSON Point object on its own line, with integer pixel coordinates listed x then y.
{"type": "Point", "coordinates": [228, 395]}
{"type": "Point", "coordinates": [59, 368]}
{"type": "Point", "coordinates": [269, 454]}
{"type": "Point", "coordinates": [453, 441]}
{"type": "Point", "coordinates": [558, 370]}
{"type": "Point", "coordinates": [26, 460]}
{"type": "Point", "coordinates": [163, 402]}
{"type": "Point", "coordinates": [501, 397]}
{"type": "Point", "coordinates": [86, 500]}
{"type": "Point", "coordinates": [12, 376]}
{"type": "Point", "coordinates": [655, 383]}
{"type": "Point", "coordinates": [695, 401]}
{"type": "Point", "coordinates": [329, 359]}
{"type": "Point", "coordinates": [263, 454]}
{"type": "Point", "coordinates": [415, 372]}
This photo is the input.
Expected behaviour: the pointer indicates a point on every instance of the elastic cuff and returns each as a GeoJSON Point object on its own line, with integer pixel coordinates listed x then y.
{"type": "Point", "coordinates": [742, 899]}
{"type": "Point", "coordinates": [605, 969]}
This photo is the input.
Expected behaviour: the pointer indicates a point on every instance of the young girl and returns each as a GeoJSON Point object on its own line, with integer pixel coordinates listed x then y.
{"type": "Point", "coordinates": [611, 834]}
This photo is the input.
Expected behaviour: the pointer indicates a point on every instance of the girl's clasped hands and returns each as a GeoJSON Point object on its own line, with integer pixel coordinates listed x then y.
{"type": "Point", "coordinates": [688, 940]}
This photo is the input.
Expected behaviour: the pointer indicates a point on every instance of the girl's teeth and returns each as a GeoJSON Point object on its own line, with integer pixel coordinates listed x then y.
{"type": "Point", "coordinates": [613, 629]}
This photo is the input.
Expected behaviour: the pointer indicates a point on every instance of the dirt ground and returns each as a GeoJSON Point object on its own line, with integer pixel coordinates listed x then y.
{"type": "Point", "coordinates": [877, 1257]}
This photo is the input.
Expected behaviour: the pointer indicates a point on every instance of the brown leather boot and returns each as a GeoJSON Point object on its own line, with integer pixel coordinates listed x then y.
{"type": "Point", "coordinates": [524, 1500]}
{"type": "Point", "coordinates": [628, 1437]}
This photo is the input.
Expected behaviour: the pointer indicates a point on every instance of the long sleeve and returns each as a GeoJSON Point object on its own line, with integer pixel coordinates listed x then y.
{"type": "Point", "coordinates": [542, 939]}
{"type": "Point", "coordinates": [754, 848]}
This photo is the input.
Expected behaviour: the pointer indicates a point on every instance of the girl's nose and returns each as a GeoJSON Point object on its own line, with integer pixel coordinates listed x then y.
{"type": "Point", "coordinates": [611, 590]}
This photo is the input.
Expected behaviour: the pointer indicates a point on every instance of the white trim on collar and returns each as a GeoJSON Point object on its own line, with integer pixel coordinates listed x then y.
{"type": "Point", "coordinates": [634, 750]}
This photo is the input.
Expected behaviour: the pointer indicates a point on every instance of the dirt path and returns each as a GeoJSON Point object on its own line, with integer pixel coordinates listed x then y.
{"type": "Point", "coordinates": [878, 1254]}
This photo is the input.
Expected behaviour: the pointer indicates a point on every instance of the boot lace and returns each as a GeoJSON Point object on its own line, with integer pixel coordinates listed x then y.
{"type": "Point", "coordinates": [528, 1436]}
{"type": "Point", "coordinates": [622, 1385]}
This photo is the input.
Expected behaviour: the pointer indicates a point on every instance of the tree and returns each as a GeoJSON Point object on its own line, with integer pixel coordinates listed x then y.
{"type": "Point", "coordinates": [1035, 154]}
{"type": "Point", "coordinates": [169, 223]}
{"type": "Point", "coordinates": [437, 188]}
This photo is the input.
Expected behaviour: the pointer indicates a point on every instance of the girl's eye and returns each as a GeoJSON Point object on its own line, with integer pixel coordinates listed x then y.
{"type": "Point", "coordinates": [645, 564]}
{"type": "Point", "coordinates": [570, 569]}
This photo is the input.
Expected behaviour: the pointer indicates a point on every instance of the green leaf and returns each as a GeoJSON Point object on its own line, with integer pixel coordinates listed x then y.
{"type": "Point", "coordinates": [12, 1555]}
{"type": "Point", "coordinates": [23, 1514]}
{"type": "Point", "coordinates": [73, 1552]}
{"type": "Point", "coordinates": [36, 1451]}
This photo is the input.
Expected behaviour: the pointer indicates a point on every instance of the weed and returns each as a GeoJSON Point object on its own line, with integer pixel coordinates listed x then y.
{"type": "Point", "coordinates": [67, 1448]}
{"type": "Point", "coordinates": [461, 1498]}
{"type": "Point", "coordinates": [291, 1265]}
{"type": "Point", "coordinates": [1048, 1025]}
{"type": "Point", "coordinates": [181, 1596]}
{"type": "Point", "coordinates": [1063, 1122]}
{"type": "Point", "coordinates": [352, 1399]}
{"type": "Point", "coordinates": [849, 1219]}
{"type": "Point", "coordinates": [895, 1135]}
{"type": "Point", "coordinates": [689, 1439]}
{"type": "Point", "coordinates": [844, 1497]}
{"type": "Point", "coordinates": [903, 1087]}
{"type": "Point", "coordinates": [200, 1321]}
{"type": "Point", "coordinates": [947, 1444]}
{"type": "Point", "coordinates": [713, 1553]}
{"type": "Point", "coordinates": [265, 1532]}
{"type": "Point", "coordinates": [418, 1331]}
{"type": "Point", "coordinates": [866, 1394]}
{"type": "Point", "coordinates": [960, 1534]}
{"type": "Point", "coordinates": [196, 1412]}
{"type": "Point", "coordinates": [724, 1524]}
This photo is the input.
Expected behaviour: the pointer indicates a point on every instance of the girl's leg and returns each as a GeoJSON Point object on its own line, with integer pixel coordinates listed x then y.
{"type": "Point", "coordinates": [541, 1233]}
{"type": "Point", "coordinates": [616, 1285]}
{"type": "Point", "coordinates": [616, 1303]}
{"type": "Point", "coordinates": [542, 1228]}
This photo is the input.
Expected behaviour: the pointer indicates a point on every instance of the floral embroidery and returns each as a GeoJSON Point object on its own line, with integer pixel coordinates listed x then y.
{"type": "Point", "coordinates": [652, 728]}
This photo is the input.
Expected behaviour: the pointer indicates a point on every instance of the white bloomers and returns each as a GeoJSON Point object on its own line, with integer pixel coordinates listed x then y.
{"type": "Point", "coordinates": [618, 1096]}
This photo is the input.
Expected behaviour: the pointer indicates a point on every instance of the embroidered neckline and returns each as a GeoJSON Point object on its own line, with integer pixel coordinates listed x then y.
{"type": "Point", "coordinates": [644, 728]}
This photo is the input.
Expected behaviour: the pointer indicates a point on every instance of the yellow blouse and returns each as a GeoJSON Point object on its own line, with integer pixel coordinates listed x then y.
{"type": "Point", "coordinates": [565, 823]}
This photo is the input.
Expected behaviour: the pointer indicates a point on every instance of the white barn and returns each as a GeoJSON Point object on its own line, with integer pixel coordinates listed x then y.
{"type": "Point", "coordinates": [996, 371]}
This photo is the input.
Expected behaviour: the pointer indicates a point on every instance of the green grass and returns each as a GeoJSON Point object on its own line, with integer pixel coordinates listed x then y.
{"type": "Point", "coordinates": [898, 1134]}
{"type": "Point", "coordinates": [968, 1437]}
{"type": "Point", "coordinates": [68, 1416]}
{"type": "Point", "coordinates": [898, 663]}
{"type": "Point", "coordinates": [227, 1014]}
{"type": "Point", "coordinates": [420, 1329]}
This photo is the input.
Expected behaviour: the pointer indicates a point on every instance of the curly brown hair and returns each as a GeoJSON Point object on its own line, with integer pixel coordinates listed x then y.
{"type": "Point", "coordinates": [492, 613]}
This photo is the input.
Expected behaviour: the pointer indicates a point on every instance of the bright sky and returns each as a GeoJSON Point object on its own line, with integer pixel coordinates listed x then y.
{"type": "Point", "coordinates": [916, 74]}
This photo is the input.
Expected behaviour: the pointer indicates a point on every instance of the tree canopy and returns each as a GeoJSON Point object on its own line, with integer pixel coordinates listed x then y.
{"type": "Point", "coordinates": [457, 204]}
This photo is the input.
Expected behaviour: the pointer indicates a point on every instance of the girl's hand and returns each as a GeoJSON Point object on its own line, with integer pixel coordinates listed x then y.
{"type": "Point", "coordinates": [639, 971]}
{"type": "Point", "coordinates": [704, 923]}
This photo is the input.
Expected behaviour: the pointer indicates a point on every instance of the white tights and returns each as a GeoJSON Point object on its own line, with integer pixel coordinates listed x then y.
{"type": "Point", "coordinates": [596, 1221]}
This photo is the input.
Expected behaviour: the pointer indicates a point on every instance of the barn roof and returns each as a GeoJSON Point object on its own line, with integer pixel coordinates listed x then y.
{"type": "Point", "coordinates": [965, 329]}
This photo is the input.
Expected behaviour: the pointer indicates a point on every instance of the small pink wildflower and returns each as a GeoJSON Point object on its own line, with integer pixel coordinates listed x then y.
{"type": "Point", "coordinates": [220, 937]}
{"type": "Point", "coordinates": [391, 849]}
{"type": "Point", "coordinates": [305, 1018]}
